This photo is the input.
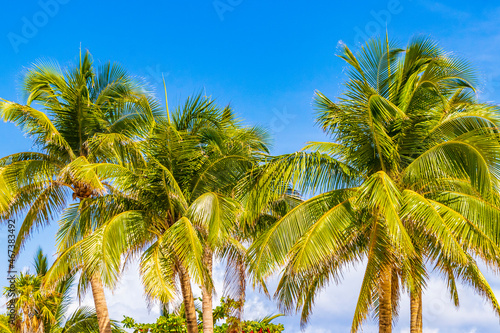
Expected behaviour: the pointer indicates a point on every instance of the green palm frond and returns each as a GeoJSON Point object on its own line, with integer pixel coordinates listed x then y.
{"type": "Point", "coordinates": [422, 153]}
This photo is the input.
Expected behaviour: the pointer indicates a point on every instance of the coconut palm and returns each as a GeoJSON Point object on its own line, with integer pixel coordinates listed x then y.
{"type": "Point", "coordinates": [174, 208]}
{"type": "Point", "coordinates": [74, 116]}
{"type": "Point", "coordinates": [35, 307]}
{"type": "Point", "coordinates": [43, 310]}
{"type": "Point", "coordinates": [410, 177]}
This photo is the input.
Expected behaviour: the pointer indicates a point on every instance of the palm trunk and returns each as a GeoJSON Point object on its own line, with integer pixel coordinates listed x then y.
{"type": "Point", "coordinates": [101, 307]}
{"type": "Point", "coordinates": [416, 312]}
{"type": "Point", "coordinates": [385, 301]}
{"type": "Point", "coordinates": [206, 293]}
{"type": "Point", "coordinates": [242, 287]}
{"type": "Point", "coordinates": [238, 312]}
{"type": "Point", "coordinates": [187, 295]}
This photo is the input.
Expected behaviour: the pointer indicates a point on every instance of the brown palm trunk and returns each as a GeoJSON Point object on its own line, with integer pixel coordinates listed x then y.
{"type": "Point", "coordinates": [237, 314]}
{"type": "Point", "coordinates": [101, 308]}
{"type": "Point", "coordinates": [187, 295]}
{"type": "Point", "coordinates": [385, 301]}
{"type": "Point", "coordinates": [206, 294]}
{"type": "Point", "coordinates": [236, 325]}
{"type": "Point", "coordinates": [419, 318]}
{"type": "Point", "coordinates": [416, 312]}
{"type": "Point", "coordinates": [242, 287]}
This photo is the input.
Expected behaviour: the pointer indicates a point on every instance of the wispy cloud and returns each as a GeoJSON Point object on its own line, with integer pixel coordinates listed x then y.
{"type": "Point", "coordinates": [445, 10]}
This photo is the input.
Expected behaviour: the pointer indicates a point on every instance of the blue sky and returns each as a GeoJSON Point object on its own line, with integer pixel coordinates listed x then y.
{"type": "Point", "coordinates": [266, 59]}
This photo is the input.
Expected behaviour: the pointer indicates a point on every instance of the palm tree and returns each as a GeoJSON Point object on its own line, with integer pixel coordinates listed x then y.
{"type": "Point", "coordinates": [86, 115]}
{"type": "Point", "coordinates": [411, 175]}
{"type": "Point", "coordinates": [35, 306]}
{"type": "Point", "coordinates": [172, 208]}
{"type": "Point", "coordinates": [43, 310]}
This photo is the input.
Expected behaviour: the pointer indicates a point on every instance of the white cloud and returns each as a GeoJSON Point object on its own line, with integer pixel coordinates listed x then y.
{"type": "Point", "coordinates": [446, 10]}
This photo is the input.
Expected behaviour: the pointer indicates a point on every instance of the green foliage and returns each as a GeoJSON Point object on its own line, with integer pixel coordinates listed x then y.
{"type": "Point", "coordinates": [174, 323]}
{"type": "Point", "coordinates": [85, 113]}
{"type": "Point", "coordinates": [42, 309]}
{"type": "Point", "coordinates": [5, 326]}
{"type": "Point", "coordinates": [410, 176]}
{"type": "Point", "coordinates": [250, 326]}
{"type": "Point", "coordinates": [170, 324]}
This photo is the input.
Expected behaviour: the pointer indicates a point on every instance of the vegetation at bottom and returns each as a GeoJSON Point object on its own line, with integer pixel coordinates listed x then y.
{"type": "Point", "coordinates": [176, 322]}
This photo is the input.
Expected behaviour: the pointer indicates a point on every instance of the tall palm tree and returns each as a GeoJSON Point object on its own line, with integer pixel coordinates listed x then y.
{"type": "Point", "coordinates": [43, 310]}
{"type": "Point", "coordinates": [172, 208]}
{"type": "Point", "coordinates": [83, 113]}
{"type": "Point", "coordinates": [411, 174]}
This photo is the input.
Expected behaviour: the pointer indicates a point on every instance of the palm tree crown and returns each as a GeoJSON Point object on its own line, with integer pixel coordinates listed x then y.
{"type": "Point", "coordinates": [410, 143]}
{"type": "Point", "coordinates": [74, 116]}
